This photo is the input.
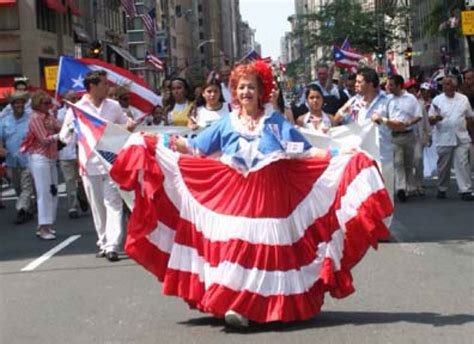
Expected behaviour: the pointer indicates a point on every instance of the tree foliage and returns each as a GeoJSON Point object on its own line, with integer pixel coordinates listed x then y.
{"type": "Point", "coordinates": [368, 29]}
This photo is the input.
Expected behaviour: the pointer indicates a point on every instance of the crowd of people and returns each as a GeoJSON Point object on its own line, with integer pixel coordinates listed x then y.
{"type": "Point", "coordinates": [419, 121]}
{"type": "Point", "coordinates": [248, 125]}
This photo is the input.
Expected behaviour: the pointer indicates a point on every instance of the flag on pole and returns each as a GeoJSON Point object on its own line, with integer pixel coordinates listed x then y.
{"type": "Point", "coordinates": [149, 22]}
{"type": "Point", "coordinates": [129, 7]}
{"type": "Point", "coordinates": [154, 60]}
{"type": "Point", "coordinates": [89, 129]}
{"type": "Point", "coordinates": [346, 59]}
{"type": "Point", "coordinates": [252, 55]}
{"type": "Point", "coordinates": [71, 74]}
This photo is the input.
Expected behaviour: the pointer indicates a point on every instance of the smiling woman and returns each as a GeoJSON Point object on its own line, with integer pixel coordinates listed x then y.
{"type": "Point", "coordinates": [260, 225]}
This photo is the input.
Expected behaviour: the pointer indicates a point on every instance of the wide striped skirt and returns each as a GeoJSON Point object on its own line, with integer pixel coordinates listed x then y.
{"type": "Point", "coordinates": [268, 245]}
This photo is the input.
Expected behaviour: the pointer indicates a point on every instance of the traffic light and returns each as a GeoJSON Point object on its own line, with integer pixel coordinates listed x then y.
{"type": "Point", "coordinates": [95, 49]}
{"type": "Point", "coordinates": [408, 53]}
{"type": "Point", "coordinates": [380, 54]}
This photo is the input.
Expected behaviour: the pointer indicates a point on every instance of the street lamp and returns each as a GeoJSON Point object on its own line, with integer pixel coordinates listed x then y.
{"type": "Point", "coordinates": [204, 42]}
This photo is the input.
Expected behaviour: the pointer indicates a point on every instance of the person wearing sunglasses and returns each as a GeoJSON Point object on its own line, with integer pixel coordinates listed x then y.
{"type": "Point", "coordinates": [42, 145]}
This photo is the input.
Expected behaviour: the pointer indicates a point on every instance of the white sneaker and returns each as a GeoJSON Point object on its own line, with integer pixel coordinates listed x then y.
{"type": "Point", "coordinates": [47, 236]}
{"type": "Point", "coordinates": [235, 319]}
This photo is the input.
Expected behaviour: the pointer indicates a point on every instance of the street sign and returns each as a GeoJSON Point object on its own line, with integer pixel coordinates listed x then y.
{"type": "Point", "coordinates": [467, 22]}
{"type": "Point", "coordinates": [50, 76]}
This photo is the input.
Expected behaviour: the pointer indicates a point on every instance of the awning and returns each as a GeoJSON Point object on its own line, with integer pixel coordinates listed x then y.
{"type": "Point", "coordinates": [74, 10]}
{"type": "Point", "coordinates": [6, 87]}
{"type": "Point", "coordinates": [9, 3]}
{"type": "Point", "coordinates": [55, 5]}
{"type": "Point", "coordinates": [125, 54]}
{"type": "Point", "coordinates": [80, 35]}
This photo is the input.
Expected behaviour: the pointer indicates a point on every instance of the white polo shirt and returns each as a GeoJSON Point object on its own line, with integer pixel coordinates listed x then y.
{"type": "Point", "coordinates": [452, 127]}
{"type": "Point", "coordinates": [404, 108]}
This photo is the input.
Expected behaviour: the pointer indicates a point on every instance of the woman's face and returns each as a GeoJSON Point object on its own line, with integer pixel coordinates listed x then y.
{"type": "Point", "coordinates": [315, 101]}
{"type": "Point", "coordinates": [211, 95]}
{"type": "Point", "coordinates": [45, 105]}
{"type": "Point", "coordinates": [247, 91]}
{"type": "Point", "coordinates": [275, 94]}
{"type": "Point", "coordinates": [178, 91]}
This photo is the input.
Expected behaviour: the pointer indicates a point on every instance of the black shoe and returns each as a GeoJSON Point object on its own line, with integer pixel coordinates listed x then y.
{"type": "Point", "coordinates": [441, 195]}
{"type": "Point", "coordinates": [83, 204]}
{"type": "Point", "coordinates": [112, 256]}
{"type": "Point", "coordinates": [100, 254]}
{"type": "Point", "coordinates": [21, 217]}
{"type": "Point", "coordinates": [401, 195]}
{"type": "Point", "coordinates": [73, 214]}
{"type": "Point", "coordinates": [467, 196]}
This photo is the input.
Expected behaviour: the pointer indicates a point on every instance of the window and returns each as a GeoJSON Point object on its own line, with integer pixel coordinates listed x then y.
{"type": "Point", "coordinates": [177, 11]}
{"type": "Point", "coordinates": [9, 19]}
{"type": "Point", "coordinates": [137, 50]}
{"type": "Point", "coordinates": [201, 35]}
{"type": "Point", "coordinates": [202, 49]}
{"type": "Point", "coordinates": [200, 22]}
{"type": "Point", "coordinates": [199, 8]}
{"type": "Point", "coordinates": [137, 36]}
{"type": "Point", "coordinates": [10, 63]}
{"type": "Point", "coordinates": [45, 18]}
{"type": "Point", "coordinates": [135, 23]}
{"type": "Point", "coordinates": [174, 43]}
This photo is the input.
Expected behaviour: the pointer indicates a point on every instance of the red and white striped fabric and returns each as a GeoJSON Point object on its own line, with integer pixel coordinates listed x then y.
{"type": "Point", "coordinates": [154, 60]}
{"type": "Point", "coordinates": [142, 98]}
{"type": "Point", "coordinates": [268, 245]}
{"type": "Point", "coordinates": [73, 71]}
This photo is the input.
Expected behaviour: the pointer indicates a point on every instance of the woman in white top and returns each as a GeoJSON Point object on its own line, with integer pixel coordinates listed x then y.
{"type": "Point", "coordinates": [210, 105]}
{"type": "Point", "coordinates": [315, 119]}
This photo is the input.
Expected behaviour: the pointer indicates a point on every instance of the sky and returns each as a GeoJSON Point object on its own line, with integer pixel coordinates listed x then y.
{"type": "Point", "coordinates": [269, 19]}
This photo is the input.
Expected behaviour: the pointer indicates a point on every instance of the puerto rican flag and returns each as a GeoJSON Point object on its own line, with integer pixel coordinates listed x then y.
{"type": "Point", "coordinates": [89, 130]}
{"type": "Point", "coordinates": [252, 55]}
{"type": "Point", "coordinates": [346, 58]}
{"type": "Point", "coordinates": [267, 245]}
{"type": "Point", "coordinates": [97, 135]}
{"type": "Point", "coordinates": [72, 72]}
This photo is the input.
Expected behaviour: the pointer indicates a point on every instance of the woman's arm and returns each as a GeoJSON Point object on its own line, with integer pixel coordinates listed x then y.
{"type": "Point", "coordinates": [39, 131]}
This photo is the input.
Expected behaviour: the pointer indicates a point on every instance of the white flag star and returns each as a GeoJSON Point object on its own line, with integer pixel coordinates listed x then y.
{"type": "Point", "coordinates": [249, 152]}
{"type": "Point", "coordinates": [79, 82]}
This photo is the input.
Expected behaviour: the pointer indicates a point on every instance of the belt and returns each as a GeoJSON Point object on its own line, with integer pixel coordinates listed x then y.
{"type": "Point", "coordinates": [397, 133]}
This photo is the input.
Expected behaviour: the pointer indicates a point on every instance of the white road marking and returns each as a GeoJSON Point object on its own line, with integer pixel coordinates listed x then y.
{"type": "Point", "coordinates": [37, 262]}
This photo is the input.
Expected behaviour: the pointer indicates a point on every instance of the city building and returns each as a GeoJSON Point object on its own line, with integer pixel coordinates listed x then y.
{"type": "Point", "coordinates": [35, 33]}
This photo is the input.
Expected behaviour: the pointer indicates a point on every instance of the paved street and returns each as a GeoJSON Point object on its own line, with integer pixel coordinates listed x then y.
{"type": "Point", "coordinates": [418, 288]}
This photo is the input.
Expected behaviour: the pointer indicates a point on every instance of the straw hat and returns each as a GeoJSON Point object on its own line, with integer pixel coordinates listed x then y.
{"type": "Point", "coordinates": [18, 95]}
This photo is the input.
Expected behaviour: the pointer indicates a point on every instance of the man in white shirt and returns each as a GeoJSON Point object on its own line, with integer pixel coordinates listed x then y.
{"type": "Point", "coordinates": [370, 104]}
{"type": "Point", "coordinates": [102, 193]}
{"type": "Point", "coordinates": [404, 107]}
{"type": "Point", "coordinates": [448, 113]}
{"type": "Point", "coordinates": [324, 82]}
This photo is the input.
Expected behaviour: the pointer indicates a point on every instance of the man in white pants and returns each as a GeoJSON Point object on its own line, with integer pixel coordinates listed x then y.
{"type": "Point", "coordinates": [104, 198]}
{"type": "Point", "coordinates": [404, 107]}
{"type": "Point", "coordinates": [448, 113]}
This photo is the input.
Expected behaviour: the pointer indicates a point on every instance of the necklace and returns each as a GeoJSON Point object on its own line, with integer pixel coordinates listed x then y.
{"type": "Point", "coordinates": [249, 122]}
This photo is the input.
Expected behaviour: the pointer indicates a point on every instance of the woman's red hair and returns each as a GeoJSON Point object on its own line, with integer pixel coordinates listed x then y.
{"type": "Point", "coordinates": [262, 71]}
